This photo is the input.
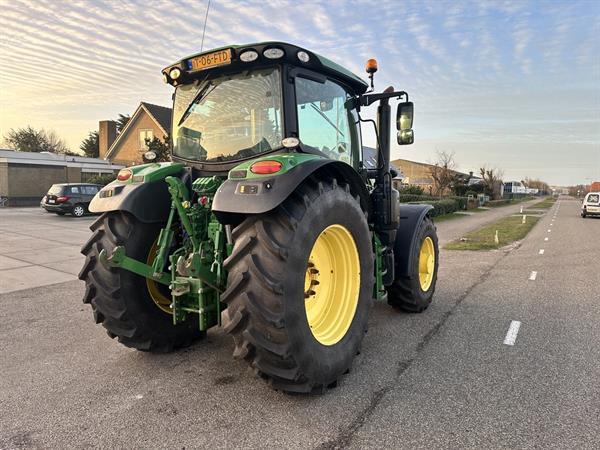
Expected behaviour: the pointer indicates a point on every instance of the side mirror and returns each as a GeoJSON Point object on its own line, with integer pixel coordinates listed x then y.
{"type": "Point", "coordinates": [404, 116]}
{"type": "Point", "coordinates": [404, 122]}
{"type": "Point", "coordinates": [406, 137]}
{"type": "Point", "coordinates": [326, 105]}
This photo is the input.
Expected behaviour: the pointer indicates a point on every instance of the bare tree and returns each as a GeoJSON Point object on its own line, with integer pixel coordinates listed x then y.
{"type": "Point", "coordinates": [538, 184]}
{"type": "Point", "coordinates": [492, 180]}
{"type": "Point", "coordinates": [442, 172]}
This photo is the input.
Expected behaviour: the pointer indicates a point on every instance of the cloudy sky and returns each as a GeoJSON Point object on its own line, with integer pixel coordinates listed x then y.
{"type": "Point", "coordinates": [513, 85]}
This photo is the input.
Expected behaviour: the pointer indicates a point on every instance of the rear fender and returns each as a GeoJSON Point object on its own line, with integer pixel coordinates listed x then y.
{"type": "Point", "coordinates": [411, 217]}
{"type": "Point", "coordinates": [246, 193]}
{"type": "Point", "coordinates": [145, 195]}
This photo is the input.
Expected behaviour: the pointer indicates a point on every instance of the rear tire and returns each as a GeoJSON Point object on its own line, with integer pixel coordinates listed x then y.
{"type": "Point", "coordinates": [408, 293]}
{"type": "Point", "coordinates": [78, 210]}
{"type": "Point", "coordinates": [120, 299]}
{"type": "Point", "coordinates": [267, 276]}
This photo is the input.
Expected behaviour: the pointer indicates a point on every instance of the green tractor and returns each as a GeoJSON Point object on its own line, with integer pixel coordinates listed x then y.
{"type": "Point", "coordinates": [270, 221]}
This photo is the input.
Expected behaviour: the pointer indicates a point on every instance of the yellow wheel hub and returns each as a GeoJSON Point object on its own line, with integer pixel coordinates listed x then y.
{"type": "Point", "coordinates": [426, 264]}
{"type": "Point", "coordinates": [332, 284]}
{"type": "Point", "coordinates": [159, 298]}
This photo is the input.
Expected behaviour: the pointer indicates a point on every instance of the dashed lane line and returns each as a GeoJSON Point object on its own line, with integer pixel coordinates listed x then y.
{"type": "Point", "coordinates": [511, 334]}
{"type": "Point", "coordinates": [533, 275]}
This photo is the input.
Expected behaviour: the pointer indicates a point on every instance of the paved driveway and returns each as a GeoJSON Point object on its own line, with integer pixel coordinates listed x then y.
{"type": "Point", "coordinates": [38, 248]}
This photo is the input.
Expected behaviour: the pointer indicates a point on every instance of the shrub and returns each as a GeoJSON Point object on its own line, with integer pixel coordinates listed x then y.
{"type": "Point", "coordinates": [103, 179]}
{"type": "Point", "coordinates": [411, 189]}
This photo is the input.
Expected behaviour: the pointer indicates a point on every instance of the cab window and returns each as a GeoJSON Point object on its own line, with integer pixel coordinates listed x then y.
{"type": "Point", "coordinates": [325, 122]}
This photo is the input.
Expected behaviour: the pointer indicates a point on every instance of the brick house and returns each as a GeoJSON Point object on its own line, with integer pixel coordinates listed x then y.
{"type": "Point", "coordinates": [128, 147]}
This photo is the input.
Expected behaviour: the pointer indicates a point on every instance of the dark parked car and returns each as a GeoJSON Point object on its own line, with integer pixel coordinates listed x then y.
{"type": "Point", "coordinates": [72, 198]}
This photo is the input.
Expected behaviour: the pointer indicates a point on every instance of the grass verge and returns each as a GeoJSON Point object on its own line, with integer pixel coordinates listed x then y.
{"type": "Point", "coordinates": [544, 204]}
{"type": "Point", "coordinates": [510, 229]}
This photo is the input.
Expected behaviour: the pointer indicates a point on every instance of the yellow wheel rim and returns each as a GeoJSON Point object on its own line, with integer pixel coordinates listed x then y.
{"type": "Point", "coordinates": [426, 264]}
{"type": "Point", "coordinates": [161, 300]}
{"type": "Point", "coordinates": [332, 284]}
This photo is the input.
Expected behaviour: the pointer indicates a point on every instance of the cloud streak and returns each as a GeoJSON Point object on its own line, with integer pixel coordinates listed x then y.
{"type": "Point", "coordinates": [477, 70]}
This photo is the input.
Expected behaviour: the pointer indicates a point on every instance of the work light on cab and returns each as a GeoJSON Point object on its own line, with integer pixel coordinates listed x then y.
{"type": "Point", "coordinates": [303, 56]}
{"type": "Point", "coordinates": [265, 167]}
{"type": "Point", "coordinates": [249, 56]}
{"type": "Point", "coordinates": [124, 175]}
{"type": "Point", "coordinates": [175, 73]}
{"type": "Point", "coordinates": [273, 53]}
{"type": "Point", "coordinates": [290, 142]}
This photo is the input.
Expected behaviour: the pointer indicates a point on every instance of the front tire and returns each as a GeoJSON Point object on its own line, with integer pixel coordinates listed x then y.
{"type": "Point", "coordinates": [414, 293]}
{"type": "Point", "coordinates": [122, 301]}
{"type": "Point", "coordinates": [296, 311]}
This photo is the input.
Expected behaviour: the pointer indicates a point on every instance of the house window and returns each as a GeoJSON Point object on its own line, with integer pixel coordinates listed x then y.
{"type": "Point", "coordinates": [145, 134]}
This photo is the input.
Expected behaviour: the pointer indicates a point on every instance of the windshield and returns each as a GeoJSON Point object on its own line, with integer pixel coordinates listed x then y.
{"type": "Point", "coordinates": [55, 189]}
{"type": "Point", "coordinates": [228, 118]}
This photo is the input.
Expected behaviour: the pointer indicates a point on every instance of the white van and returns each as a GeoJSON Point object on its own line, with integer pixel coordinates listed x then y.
{"type": "Point", "coordinates": [591, 205]}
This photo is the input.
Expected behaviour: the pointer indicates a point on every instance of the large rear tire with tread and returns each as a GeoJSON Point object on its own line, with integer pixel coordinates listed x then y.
{"type": "Point", "coordinates": [268, 274]}
{"type": "Point", "coordinates": [414, 293]}
{"type": "Point", "coordinates": [120, 299]}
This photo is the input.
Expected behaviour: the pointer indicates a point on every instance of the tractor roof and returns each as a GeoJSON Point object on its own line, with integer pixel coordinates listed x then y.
{"type": "Point", "coordinates": [316, 62]}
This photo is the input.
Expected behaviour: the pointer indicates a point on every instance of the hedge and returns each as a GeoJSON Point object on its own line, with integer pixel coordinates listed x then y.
{"type": "Point", "coordinates": [441, 207]}
{"type": "Point", "coordinates": [407, 198]}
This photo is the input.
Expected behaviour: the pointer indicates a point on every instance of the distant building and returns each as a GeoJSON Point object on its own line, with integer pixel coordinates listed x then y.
{"type": "Point", "coordinates": [516, 187]}
{"type": "Point", "coordinates": [26, 176]}
{"type": "Point", "coordinates": [594, 187]}
{"type": "Point", "coordinates": [419, 174]}
{"type": "Point", "coordinates": [128, 147]}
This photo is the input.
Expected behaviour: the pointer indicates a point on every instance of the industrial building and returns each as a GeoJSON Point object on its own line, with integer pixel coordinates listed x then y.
{"type": "Point", "coordinates": [26, 176]}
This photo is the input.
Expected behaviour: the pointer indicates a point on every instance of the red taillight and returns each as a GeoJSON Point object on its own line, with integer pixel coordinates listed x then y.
{"type": "Point", "coordinates": [62, 199]}
{"type": "Point", "coordinates": [265, 167]}
{"type": "Point", "coordinates": [124, 175]}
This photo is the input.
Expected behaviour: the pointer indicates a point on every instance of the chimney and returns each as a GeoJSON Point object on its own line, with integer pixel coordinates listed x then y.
{"type": "Point", "coordinates": [107, 133]}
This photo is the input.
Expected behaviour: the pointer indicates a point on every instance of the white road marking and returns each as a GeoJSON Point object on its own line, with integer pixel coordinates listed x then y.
{"type": "Point", "coordinates": [545, 239]}
{"type": "Point", "coordinates": [541, 251]}
{"type": "Point", "coordinates": [533, 275]}
{"type": "Point", "coordinates": [511, 334]}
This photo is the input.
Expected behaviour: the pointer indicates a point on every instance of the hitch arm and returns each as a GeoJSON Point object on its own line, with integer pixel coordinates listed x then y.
{"type": "Point", "coordinates": [119, 259]}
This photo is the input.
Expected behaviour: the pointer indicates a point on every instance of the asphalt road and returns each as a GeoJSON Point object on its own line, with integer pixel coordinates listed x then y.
{"type": "Point", "coordinates": [441, 379]}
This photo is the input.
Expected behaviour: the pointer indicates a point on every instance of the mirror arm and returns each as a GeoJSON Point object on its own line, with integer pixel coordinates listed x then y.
{"type": "Point", "coordinates": [369, 99]}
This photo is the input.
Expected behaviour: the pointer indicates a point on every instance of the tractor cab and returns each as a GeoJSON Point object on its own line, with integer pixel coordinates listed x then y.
{"type": "Point", "coordinates": [239, 102]}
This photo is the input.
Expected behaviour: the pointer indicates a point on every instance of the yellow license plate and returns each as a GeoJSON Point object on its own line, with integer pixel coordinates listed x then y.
{"type": "Point", "coordinates": [214, 59]}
